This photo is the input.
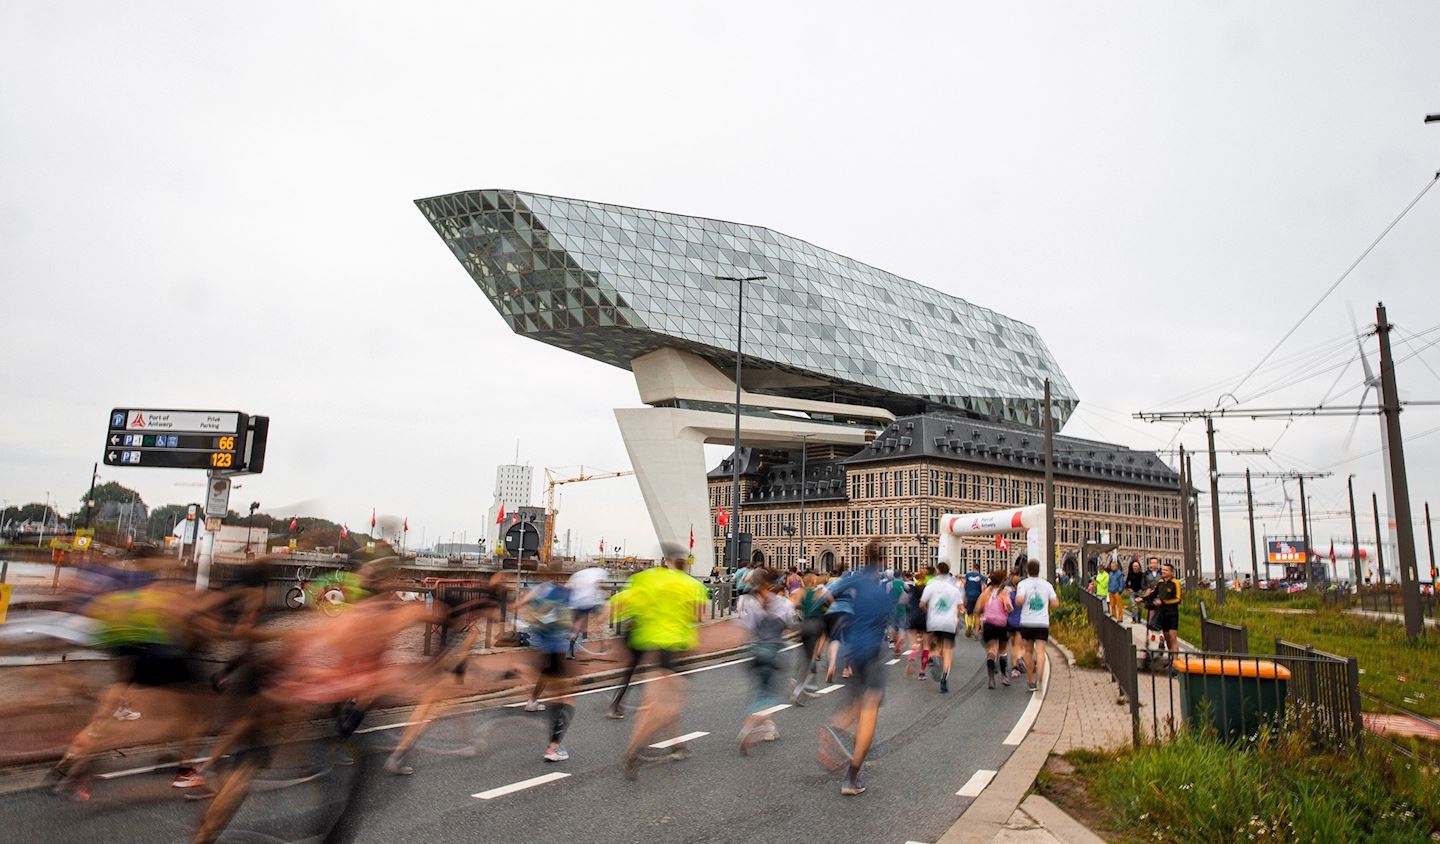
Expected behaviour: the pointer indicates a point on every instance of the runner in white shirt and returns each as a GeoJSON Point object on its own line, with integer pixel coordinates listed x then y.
{"type": "Point", "coordinates": [941, 603]}
{"type": "Point", "coordinates": [586, 599]}
{"type": "Point", "coordinates": [1036, 598]}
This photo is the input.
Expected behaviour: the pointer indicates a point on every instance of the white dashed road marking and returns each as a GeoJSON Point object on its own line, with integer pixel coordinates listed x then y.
{"type": "Point", "coordinates": [519, 786]}
{"type": "Point", "coordinates": [828, 689]}
{"type": "Point", "coordinates": [976, 783]}
{"type": "Point", "coordinates": [671, 742]}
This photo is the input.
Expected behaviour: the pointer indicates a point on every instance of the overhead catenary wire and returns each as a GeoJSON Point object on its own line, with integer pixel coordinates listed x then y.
{"type": "Point", "coordinates": [1335, 284]}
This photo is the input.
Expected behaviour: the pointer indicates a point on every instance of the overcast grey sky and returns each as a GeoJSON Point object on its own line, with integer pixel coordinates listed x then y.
{"type": "Point", "coordinates": [209, 205]}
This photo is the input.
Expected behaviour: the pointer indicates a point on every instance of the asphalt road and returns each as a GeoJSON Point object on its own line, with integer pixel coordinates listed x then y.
{"type": "Point", "coordinates": [928, 747]}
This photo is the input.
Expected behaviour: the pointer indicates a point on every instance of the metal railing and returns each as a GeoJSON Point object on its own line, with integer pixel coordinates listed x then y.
{"type": "Point", "coordinates": [1219, 637]}
{"type": "Point", "coordinates": [1117, 649]}
{"type": "Point", "coordinates": [1328, 686]}
{"type": "Point", "coordinates": [1389, 600]}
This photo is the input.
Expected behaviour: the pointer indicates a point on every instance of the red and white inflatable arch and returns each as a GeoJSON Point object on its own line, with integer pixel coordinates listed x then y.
{"type": "Point", "coordinates": [1030, 519]}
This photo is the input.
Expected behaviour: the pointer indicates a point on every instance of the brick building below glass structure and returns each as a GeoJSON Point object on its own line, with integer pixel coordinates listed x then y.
{"type": "Point", "coordinates": [895, 490]}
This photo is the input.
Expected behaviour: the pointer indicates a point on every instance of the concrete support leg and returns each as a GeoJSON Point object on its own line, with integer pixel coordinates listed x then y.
{"type": "Point", "coordinates": [669, 461]}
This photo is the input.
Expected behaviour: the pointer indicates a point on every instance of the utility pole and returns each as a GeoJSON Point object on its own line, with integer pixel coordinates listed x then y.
{"type": "Point", "coordinates": [1405, 546]}
{"type": "Point", "coordinates": [90, 499]}
{"type": "Point", "coordinates": [1305, 530]}
{"type": "Point", "coordinates": [1379, 541]}
{"type": "Point", "coordinates": [1185, 519]}
{"type": "Point", "coordinates": [1192, 515]}
{"type": "Point", "coordinates": [1049, 421]}
{"type": "Point", "coordinates": [1215, 513]}
{"type": "Point", "coordinates": [1250, 512]}
{"type": "Point", "coordinates": [1430, 543]}
{"type": "Point", "coordinates": [1354, 535]}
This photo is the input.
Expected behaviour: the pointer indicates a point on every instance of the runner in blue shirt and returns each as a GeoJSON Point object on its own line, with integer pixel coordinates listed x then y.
{"type": "Point", "coordinates": [974, 585]}
{"type": "Point", "coordinates": [863, 650]}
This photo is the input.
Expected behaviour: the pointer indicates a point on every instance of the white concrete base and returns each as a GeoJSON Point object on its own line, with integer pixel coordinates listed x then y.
{"type": "Point", "coordinates": [666, 447]}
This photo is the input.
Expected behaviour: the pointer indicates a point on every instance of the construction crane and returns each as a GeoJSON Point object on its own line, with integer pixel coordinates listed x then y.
{"type": "Point", "coordinates": [552, 480]}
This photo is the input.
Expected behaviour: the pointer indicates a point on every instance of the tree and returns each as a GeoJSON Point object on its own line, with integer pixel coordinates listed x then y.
{"type": "Point", "coordinates": [113, 491]}
{"type": "Point", "coordinates": [32, 512]}
{"type": "Point", "coordinates": [162, 520]}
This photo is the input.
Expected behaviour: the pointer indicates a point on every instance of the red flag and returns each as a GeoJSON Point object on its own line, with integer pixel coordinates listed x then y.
{"type": "Point", "coordinates": [724, 518]}
{"type": "Point", "coordinates": [1001, 543]}
{"type": "Point", "coordinates": [602, 545]}
{"type": "Point", "coordinates": [1332, 550]}
{"type": "Point", "coordinates": [692, 537]}
{"type": "Point", "coordinates": [344, 531]}
{"type": "Point", "coordinates": [294, 523]}
{"type": "Point", "coordinates": [406, 526]}
{"type": "Point", "coordinates": [372, 518]}
{"type": "Point", "coordinates": [500, 519]}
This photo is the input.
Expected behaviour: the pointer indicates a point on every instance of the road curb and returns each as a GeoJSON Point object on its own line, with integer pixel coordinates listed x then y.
{"type": "Point", "coordinates": [987, 815]}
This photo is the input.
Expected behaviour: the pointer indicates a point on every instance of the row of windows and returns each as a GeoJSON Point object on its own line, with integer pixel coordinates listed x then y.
{"type": "Point", "coordinates": [1014, 492]}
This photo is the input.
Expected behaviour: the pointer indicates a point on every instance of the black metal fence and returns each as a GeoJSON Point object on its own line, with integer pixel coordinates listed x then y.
{"type": "Point", "coordinates": [1117, 649]}
{"type": "Point", "coordinates": [1327, 687]}
{"type": "Point", "coordinates": [1389, 600]}
{"type": "Point", "coordinates": [1219, 637]}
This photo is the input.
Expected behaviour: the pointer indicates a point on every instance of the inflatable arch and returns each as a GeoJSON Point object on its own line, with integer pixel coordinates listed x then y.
{"type": "Point", "coordinates": [1030, 519]}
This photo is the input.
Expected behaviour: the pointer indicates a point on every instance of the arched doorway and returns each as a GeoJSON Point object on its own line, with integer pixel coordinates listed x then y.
{"type": "Point", "coordinates": [757, 559]}
{"type": "Point", "coordinates": [827, 560]}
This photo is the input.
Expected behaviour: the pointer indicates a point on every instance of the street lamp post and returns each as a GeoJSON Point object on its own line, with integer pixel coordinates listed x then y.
{"type": "Point", "coordinates": [804, 442]}
{"type": "Point", "coordinates": [44, 518]}
{"type": "Point", "coordinates": [735, 460]}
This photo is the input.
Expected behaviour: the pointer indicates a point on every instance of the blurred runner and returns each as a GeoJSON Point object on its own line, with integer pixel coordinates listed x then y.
{"type": "Point", "coordinates": [809, 603]}
{"type": "Point", "coordinates": [994, 608]}
{"type": "Point", "coordinates": [919, 642]}
{"type": "Point", "coordinates": [587, 601]}
{"type": "Point", "coordinates": [1036, 598]}
{"type": "Point", "coordinates": [941, 602]}
{"type": "Point", "coordinates": [546, 606]}
{"type": "Point", "coordinates": [974, 585]}
{"type": "Point", "coordinates": [837, 615]}
{"type": "Point", "coordinates": [765, 615]}
{"type": "Point", "coordinates": [863, 650]}
{"type": "Point", "coordinates": [663, 605]}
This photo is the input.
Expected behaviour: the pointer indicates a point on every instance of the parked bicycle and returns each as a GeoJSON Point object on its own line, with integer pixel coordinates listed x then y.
{"type": "Point", "coordinates": [326, 593]}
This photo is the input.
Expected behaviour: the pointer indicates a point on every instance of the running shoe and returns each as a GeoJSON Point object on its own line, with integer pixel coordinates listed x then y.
{"type": "Point", "coordinates": [125, 713]}
{"type": "Point", "coordinates": [614, 714]}
{"type": "Point", "coordinates": [1004, 678]}
{"type": "Point", "coordinates": [1032, 687]}
{"type": "Point", "coordinates": [556, 753]}
{"type": "Point", "coordinates": [852, 784]}
{"type": "Point", "coordinates": [749, 734]}
{"type": "Point", "coordinates": [679, 753]}
{"type": "Point", "coordinates": [534, 706]}
{"type": "Point", "coordinates": [632, 767]}
{"type": "Point", "coordinates": [832, 752]}
{"type": "Point", "coordinates": [188, 778]}
{"type": "Point", "coordinates": [396, 765]}
{"type": "Point", "coordinates": [945, 684]}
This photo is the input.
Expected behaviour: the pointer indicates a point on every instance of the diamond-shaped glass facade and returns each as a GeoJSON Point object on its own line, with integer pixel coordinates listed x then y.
{"type": "Point", "coordinates": [613, 283]}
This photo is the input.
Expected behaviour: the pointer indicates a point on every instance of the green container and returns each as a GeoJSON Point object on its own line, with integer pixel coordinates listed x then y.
{"type": "Point", "coordinates": [1233, 696]}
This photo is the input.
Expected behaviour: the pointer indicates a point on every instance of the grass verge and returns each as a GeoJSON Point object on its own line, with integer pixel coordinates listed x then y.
{"type": "Point", "coordinates": [1196, 789]}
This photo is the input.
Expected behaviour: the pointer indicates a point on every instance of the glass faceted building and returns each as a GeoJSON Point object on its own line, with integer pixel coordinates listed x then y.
{"type": "Point", "coordinates": [614, 283]}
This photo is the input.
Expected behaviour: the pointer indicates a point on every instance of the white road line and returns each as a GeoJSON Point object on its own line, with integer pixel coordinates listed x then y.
{"type": "Point", "coordinates": [380, 727]}
{"type": "Point", "coordinates": [130, 772]}
{"type": "Point", "coordinates": [772, 710]}
{"type": "Point", "coordinates": [892, 661]}
{"type": "Point", "coordinates": [1032, 711]}
{"type": "Point", "coordinates": [597, 691]}
{"type": "Point", "coordinates": [976, 783]}
{"type": "Point", "coordinates": [828, 689]}
{"type": "Point", "coordinates": [911, 651]}
{"type": "Point", "coordinates": [671, 742]}
{"type": "Point", "coordinates": [519, 786]}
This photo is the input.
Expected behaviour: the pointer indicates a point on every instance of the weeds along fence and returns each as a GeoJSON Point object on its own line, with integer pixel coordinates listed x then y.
{"type": "Point", "coordinates": [1117, 650]}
